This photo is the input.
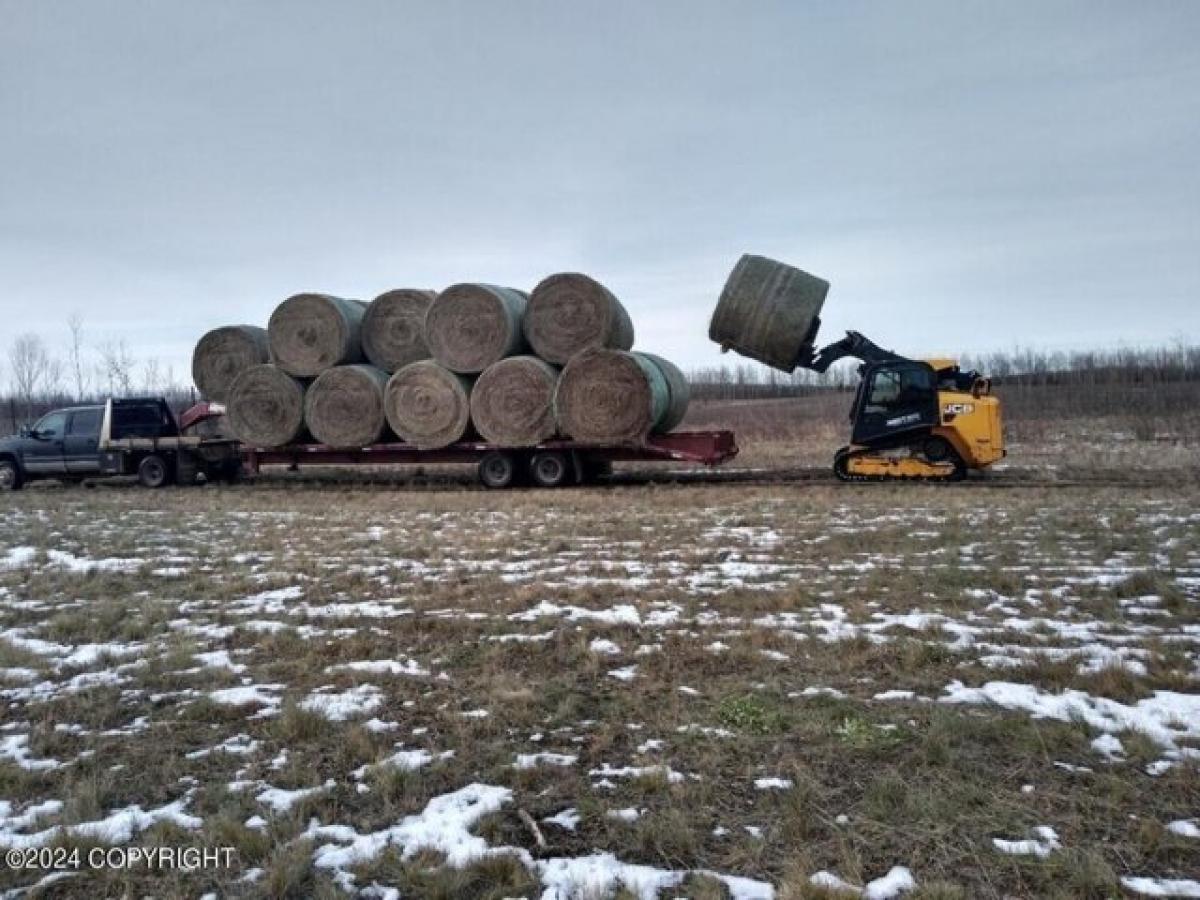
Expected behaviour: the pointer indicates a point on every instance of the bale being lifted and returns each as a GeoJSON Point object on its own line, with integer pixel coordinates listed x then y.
{"type": "Point", "coordinates": [223, 354]}
{"type": "Point", "coordinates": [615, 397]}
{"type": "Point", "coordinates": [266, 407]}
{"type": "Point", "coordinates": [569, 312]}
{"type": "Point", "coordinates": [769, 311]}
{"type": "Point", "coordinates": [310, 333]}
{"type": "Point", "coordinates": [428, 405]}
{"type": "Point", "coordinates": [470, 326]}
{"type": "Point", "coordinates": [393, 328]}
{"type": "Point", "coordinates": [344, 406]}
{"type": "Point", "coordinates": [512, 403]}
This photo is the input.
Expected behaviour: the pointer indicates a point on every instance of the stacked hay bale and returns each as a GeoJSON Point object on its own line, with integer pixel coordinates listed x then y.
{"type": "Point", "coordinates": [434, 369]}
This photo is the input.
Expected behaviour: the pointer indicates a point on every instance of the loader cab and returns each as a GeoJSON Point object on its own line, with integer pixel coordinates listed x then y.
{"type": "Point", "coordinates": [895, 400]}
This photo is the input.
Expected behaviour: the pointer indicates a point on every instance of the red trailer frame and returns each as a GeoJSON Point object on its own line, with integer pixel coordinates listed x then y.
{"type": "Point", "coordinates": [549, 464]}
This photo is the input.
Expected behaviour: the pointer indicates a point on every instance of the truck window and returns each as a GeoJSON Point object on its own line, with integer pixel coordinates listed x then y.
{"type": "Point", "coordinates": [142, 420]}
{"type": "Point", "coordinates": [85, 422]}
{"type": "Point", "coordinates": [51, 425]}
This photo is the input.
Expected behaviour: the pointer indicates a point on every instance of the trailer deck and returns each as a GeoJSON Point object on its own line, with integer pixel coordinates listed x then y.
{"type": "Point", "coordinates": [549, 464]}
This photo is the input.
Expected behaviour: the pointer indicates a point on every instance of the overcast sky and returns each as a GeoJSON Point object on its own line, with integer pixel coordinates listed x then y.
{"type": "Point", "coordinates": [969, 176]}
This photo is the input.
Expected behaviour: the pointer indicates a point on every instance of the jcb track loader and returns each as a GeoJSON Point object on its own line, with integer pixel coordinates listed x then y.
{"type": "Point", "coordinates": [924, 419]}
{"type": "Point", "coordinates": [918, 419]}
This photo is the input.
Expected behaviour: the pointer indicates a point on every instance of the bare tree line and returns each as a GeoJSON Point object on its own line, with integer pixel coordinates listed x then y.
{"type": "Point", "coordinates": [1176, 363]}
{"type": "Point", "coordinates": [38, 377]}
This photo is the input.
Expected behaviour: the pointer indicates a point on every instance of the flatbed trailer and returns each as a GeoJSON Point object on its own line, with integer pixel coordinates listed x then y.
{"type": "Point", "coordinates": [550, 464]}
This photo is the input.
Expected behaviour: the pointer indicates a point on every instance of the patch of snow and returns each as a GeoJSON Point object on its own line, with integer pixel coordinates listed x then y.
{"type": "Point", "coordinates": [1161, 887]}
{"type": "Point", "coordinates": [773, 784]}
{"type": "Point", "coordinates": [533, 760]}
{"type": "Point", "coordinates": [1189, 828]}
{"type": "Point", "coordinates": [1165, 717]}
{"type": "Point", "coordinates": [381, 667]}
{"type": "Point", "coordinates": [343, 705]}
{"type": "Point", "coordinates": [1045, 843]}
{"type": "Point", "coordinates": [629, 814]}
{"type": "Point", "coordinates": [281, 801]}
{"type": "Point", "coordinates": [568, 819]}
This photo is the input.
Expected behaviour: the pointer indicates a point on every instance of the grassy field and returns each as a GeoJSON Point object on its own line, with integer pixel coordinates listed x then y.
{"type": "Point", "coordinates": [742, 690]}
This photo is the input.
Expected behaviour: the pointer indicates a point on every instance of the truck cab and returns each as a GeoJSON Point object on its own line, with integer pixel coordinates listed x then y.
{"type": "Point", "coordinates": [136, 436]}
{"type": "Point", "coordinates": [61, 444]}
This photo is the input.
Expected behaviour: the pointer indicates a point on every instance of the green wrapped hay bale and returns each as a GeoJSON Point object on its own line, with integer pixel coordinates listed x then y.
{"type": "Point", "coordinates": [512, 403]}
{"type": "Point", "coordinates": [310, 333]}
{"type": "Point", "coordinates": [223, 354]}
{"type": "Point", "coordinates": [678, 389]}
{"type": "Point", "coordinates": [427, 405]}
{"type": "Point", "coordinates": [470, 326]}
{"type": "Point", "coordinates": [393, 329]}
{"type": "Point", "coordinates": [344, 406]}
{"type": "Point", "coordinates": [611, 397]}
{"type": "Point", "coordinates": [769, 311]}
{"type": "Point", "coordinates": [570, 312]}
{"type": "Point", "coordinates": [266, 407]}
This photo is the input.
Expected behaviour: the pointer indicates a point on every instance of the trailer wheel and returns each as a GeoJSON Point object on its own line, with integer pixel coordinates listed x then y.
{"type": "Point", "coordinates": [549, 469]}
{"type": "Point", "coordinates": [10, 476]}
{"type": "Point", "coordinates": [153, 471]}
{"type": "Point", "coordinates": [497, 470]}
{"type": "Point", "coordinates": [596, 469]}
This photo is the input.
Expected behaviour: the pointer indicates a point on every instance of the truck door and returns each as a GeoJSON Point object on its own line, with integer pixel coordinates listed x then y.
{"type": "Point", "coordinates": [42, 453]}
{"type": "Point", "coordinates": [896, 399]}
{"type": "Point", "coordinates": [81, 450]}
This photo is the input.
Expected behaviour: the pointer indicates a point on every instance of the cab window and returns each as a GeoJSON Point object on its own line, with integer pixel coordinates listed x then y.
{"type": "Point", "coordinates": [893, 389]}
{"type": "Point", "coordinates": [85, 422]}
{"type": "Point", "coordinates": [51, 426]}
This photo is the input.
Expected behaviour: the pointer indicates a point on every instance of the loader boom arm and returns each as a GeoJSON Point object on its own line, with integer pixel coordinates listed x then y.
{"type": "Point", "coordinates": [854, 344]}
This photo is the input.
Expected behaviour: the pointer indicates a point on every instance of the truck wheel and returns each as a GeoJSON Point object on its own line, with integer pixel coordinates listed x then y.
{"type": "Point", "coordinates": [549, 469]}
{"type": "Point", "coordinates": [153, 471]}
{"type": "Point", "coordinates": [497, 470]}
{"type": "Point", "coordinates": [10, 476]}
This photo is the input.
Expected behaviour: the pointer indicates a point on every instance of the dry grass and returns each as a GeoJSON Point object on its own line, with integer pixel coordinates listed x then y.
{"type": "Point", "coordinates": [748, 597]}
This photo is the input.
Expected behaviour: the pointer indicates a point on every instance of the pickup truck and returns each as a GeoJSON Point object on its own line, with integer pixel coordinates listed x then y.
{"type": "Point", "coordinates": [138, 436]}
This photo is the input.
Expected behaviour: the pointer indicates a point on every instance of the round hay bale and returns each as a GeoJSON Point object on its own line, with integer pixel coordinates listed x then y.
{"type": "Point", "coordinates": [610, 397]}
{"type": "Point", "coordinates": [223, 354]}
{"type": "Point", "coordinates": [393, 329]}
{"type": "Point", "coordinates": [678, 389]}
{"type": "Point", "coordinates": [769, 311]}
{"type": "Point", "coordinates": [428, 405]}
{"type": "Point", "coordinates": [266, 407]}
{"type": "Point", "coordinates": [310, 333]}
{"type": "Point", "coordinates": [470, 326]}
{"type": "Point", "coordinates": [344, 406]}
{"type": "Point", "coordinates": [569, 312]}
{"type": "Point", "coordinates": [512, 403]}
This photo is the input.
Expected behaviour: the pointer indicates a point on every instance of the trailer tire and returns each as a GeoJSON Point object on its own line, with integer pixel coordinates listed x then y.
{"type": "Point", "coordinates": [153, 471]}
{"type": "Point", "coordinates": [497, 470]}
{"type": "Point", "coordinates": [10, 476]}
{"type": "Point", "coordinates": [231, 471]}
{"type": "Point", "coordinates": [550, 469]}
{"type": "Point", "coordinates": [186, 469]}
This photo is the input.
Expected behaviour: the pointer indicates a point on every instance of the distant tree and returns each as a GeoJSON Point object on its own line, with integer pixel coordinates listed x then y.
{"type": "Point", "coordinates": [32, 369]}
{"type": "Point", "coordinates": [78, 372]}
{"type": "Point", "coordinates": [117, 367]}
{"type": "Point", "coordinates": [152, 378]}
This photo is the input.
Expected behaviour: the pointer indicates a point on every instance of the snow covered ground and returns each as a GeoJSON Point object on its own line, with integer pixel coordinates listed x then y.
{"type": "Point", "coordinates": [741, 691]}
